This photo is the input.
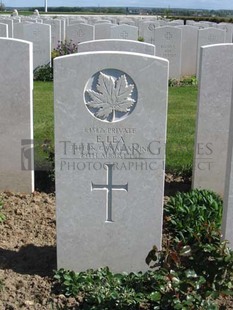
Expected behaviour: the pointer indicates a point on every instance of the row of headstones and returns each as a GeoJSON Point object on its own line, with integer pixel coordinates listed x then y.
{"type": "Point", "coordinates": [179, 44]}
{"type": "Point", "coordinates": [110, 134]}
{"type": "Point", "coordinates": [102, 25]}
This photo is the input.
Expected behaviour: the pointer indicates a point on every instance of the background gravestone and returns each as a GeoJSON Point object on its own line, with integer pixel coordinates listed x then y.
{"type": "Point", "coordinates": [147, 30]}
{"type": "Point", "coordinates": [229, 31]}
{"type": "Point", "coordinates": [80, 33]}
{"type": "Point", "coordinates": [189, 50]}
{"type": "Point", "coordinates": [213, 117]}
{"type": "Point", "coordinates": [103, 31]}
{"type": "Point", "coordinates": [125, 32]}
{"type": "Point", "coordinates": [168, 45]}
{"type": "Point", "coordinates": [4, 30]}
{"type": "Point", "coordinates": [55, 31]}
{"type": "Point", "coordinates": [40, 36]}
{"type": "Point", "coordinates": [110, 127]}
{"type": "Point", "coordinates": [209, 36]}
{"type": "Point", "coordinates": [117, 45]}
{"type": "Point", "coordinates": [16, 125]}
{"type": "Point", "coordinates": [10, 24]}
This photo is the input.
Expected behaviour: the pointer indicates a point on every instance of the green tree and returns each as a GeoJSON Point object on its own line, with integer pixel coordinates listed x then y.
{"type": "Point", "coordinates": [2, 7]}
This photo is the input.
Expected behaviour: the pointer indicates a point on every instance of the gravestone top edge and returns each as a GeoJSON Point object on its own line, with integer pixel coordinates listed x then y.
{"type": "Point", "coordinates": [216, 45]}
{"type": "Point", "coordinates": [111, 53]}
{"type": "Point", "coordinates": [16, 40]}
{"type": "Point", "coordinates": [118, 40]}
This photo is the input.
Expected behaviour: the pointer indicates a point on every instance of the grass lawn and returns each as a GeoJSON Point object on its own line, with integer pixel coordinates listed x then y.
{"type": "Point", "coordinates": [43, 120]}
{"type": "Point", "coordinates": [182, 103]}
{"type": "Point", "coordinates": [180, 132]}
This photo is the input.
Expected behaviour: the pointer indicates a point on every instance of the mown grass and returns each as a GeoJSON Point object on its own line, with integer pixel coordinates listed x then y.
{"type": "Point", "coordinates": [180, 130]}
{"type": "Point", "coordinates": [182, 105]}
{"type": "Point", "coordinates": [43, 121]}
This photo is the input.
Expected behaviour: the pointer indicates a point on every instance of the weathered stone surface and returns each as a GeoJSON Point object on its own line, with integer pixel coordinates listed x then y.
{"type": "Point", "coordinates": [109, 158]}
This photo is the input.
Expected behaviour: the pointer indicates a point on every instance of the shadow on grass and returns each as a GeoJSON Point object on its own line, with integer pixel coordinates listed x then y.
{"type": "Point", "coordinates": [172, 187]}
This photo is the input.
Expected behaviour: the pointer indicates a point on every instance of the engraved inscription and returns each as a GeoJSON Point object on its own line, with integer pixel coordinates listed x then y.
{"type": "Point", "coordinates": [111, 98]}
{"type": "Point", "coordinates": [151, 27]}
{"type": "Point", "coordinates": [109, 187]}
{"type": "Point", "coordinates": [212, 38]}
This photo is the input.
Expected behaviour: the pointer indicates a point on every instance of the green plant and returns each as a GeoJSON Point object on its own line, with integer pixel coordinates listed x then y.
{"type": "Point", "coordinates": [64, 48]}
{"type": "Point", "coordinates": [201, 262]}
{"type": "Point", "coordinates": [185, 81]}
{"type": "Point", "coordinates": [2, 216]}
{"type": "Point", "coordinates": [48, 149]}
{"type": "Point", "coordinates": [101, 289]}
{"type": "Point", "coordinates": [140, 39]}
{"type": "Point", "coordinates": [43, 73]}
{"type": "Point", "coordinates": [1, 285]}
{"type": "Point", "coordinates": [194, 216]}
{"type": "Point", "coordinates": [190, 272]}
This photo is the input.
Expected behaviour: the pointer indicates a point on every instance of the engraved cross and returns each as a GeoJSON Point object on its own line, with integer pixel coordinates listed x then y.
{"type": "Point", "coordinates": [168, 36]}
{"type": "Point", "coordinates": [109, 187]}
{"type": "Point", "coordinates": [80, 33]}
{"type": "Point", "coordinates": [124, 35]}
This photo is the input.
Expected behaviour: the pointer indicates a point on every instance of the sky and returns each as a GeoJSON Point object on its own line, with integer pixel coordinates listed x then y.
{"type": "Point", "coordinates": [192, 4]}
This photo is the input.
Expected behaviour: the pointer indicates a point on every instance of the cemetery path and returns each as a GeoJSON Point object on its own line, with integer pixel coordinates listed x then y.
{"type": "Point", "coordinates": [28, 250]}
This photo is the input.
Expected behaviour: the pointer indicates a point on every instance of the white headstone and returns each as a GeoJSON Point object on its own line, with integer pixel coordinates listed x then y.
{"type": "Point", "coordinates": [127, 22]}
{"type": "Point", "coordinates": [189, 50]}
{"type": "Point", "coordinates": [55, 31]}
{"type": "Point", "coordinates": [229, 31]}
{"type": "Point", "coordinates": [36, 13]}
{"type": "Point", "coordinates": [117, 45]}
{"type": "Point", "coordinates": [208, 36]}
{"type": "Point", "coordinates": [3, 30]}
{"type": "Point", "coordinates": [10, 24]}
{"type": "Point", "coordinates": [63, 28]}
{"type": "Point", "coordinates": [147, 31]}
{"type": "Point", "coordinates": [227, 227]}
{"type": "Point", "coordinates": [40, 36]}
{"type": "Point", "coordinates": [202, 25]}
{"type": "Point", "coordinates": [177, 22]}
{"type": "Point", "coordinates": [213, 117]}
{"type": "Point", "coordinates": [109, 189]}
{"type": "Point", "coordinates": [16, 125]}
{"type": "Point", "coordinates": [168, 45]}
{"type": "Point", "coordinates": [72, 21]}
{"type": "Point", "coordinates": [103, 31]}
{"type": "Point", "coordinates": [125, 32]}
{"type": "Point", "coordinates": [80, 33]}
{"type": "Point", "coordinates": [15, 13]}
{"type": "Point", "coordinates": [103, 22]}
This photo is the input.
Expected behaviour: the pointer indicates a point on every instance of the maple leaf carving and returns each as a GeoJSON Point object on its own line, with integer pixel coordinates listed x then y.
{"type": "Point", "coordinates": [112, 96]}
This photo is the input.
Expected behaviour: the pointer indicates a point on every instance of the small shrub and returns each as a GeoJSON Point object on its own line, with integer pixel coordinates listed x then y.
{"type": "Point", "coordinates": [48, 149]}
{"type": "Point", "coordinates": [43, 73]}
{"type": "Point", "coordinates": [64, 48]}
{"type": "Point", "coordinates": [140, 39]}
{"type": "Point", "coordinates": [191, 272]}
{"type": "Point", "coordinates": [194, 216]}
{"type": "Point", "coordinates": [185, 81]}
